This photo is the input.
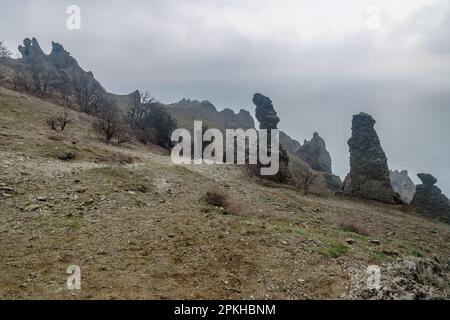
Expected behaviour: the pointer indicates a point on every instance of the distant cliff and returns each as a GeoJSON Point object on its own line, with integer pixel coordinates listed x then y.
{"type": "Point", "coordinates": [57, 73]}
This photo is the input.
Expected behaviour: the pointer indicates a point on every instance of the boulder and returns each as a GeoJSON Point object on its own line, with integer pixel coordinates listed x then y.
{"type": "Point", "coordinates": [429, 199]}
{"type": "Point", "coordinates": [403, 185]}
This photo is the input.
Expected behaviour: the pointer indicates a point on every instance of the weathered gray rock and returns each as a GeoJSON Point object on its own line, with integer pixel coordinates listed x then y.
{"type": "Point", "coordinates": [265, 112]}
{"type": "Point", "coordinates": [429, 199]}
{"type": "Point", "coordinates": [61, 58]}
{"type": "Point", "coordinates": [315, 153]}
{"type": "Point", "coordinates": [369, 172]}
{"type": "Point", "coordinates": [31, 49]}
{"type": "Point", "coordinates": [403, 185]}
{"type": "Point", "coordinates": [407, 278]}
{"type": "Point", "coordinates": [268, 119]}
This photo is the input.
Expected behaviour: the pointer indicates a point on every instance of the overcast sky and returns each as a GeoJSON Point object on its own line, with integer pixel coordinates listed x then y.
{"type": "Point", "coordinates": [320, 61]}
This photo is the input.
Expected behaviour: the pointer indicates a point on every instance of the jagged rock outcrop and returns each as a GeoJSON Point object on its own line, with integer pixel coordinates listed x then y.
{"type": "Point", "coordinates": [268, 119]}
{"type": "Point", "coordinates": [369, 172]}
{"type": "Point", "coordinates": [61, 57]}
{"type": "Point", "coordinates": [315, 153]}
{"type": "Point", "coordinates": [60, 72]}
{"type": "Point", "coordinates": [403, 185]}
{"type": "Point", "coordinates": [429, 199]}
{"type": "Point", "coordinates": [31, 49]}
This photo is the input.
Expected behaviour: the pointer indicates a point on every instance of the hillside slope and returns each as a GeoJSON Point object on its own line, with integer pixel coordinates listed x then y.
{"type": "Point", "coordinates": [138, 226]}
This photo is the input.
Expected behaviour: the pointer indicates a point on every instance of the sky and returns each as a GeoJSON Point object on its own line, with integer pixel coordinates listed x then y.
{"type": "Point", "coordinates": [319, 61]}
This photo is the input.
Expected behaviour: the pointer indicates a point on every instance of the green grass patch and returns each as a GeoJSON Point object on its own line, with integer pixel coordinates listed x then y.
{"type": "Point", "coordinates": [342, 233]}
{"type": "Point", "coordinates": [333, 250]}
{"type": "Point", "coordinates": [59, 222]}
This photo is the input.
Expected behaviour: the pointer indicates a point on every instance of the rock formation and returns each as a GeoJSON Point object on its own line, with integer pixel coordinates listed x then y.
{"type": "Point", "coordinates": [30, 49]}
{"type": "Point", "coordinates": [403, 185]}
{"type": "Point", "coordinates": [369, 173]}
{"type": "Point", "coordinates": [315, 153]}
{"type": "Point", "coordinates": [61, 68]}
{"type": "Point", "coordinates": [265, 112]}
{"type": "Point", "coordinates": [268, 119]}
{"type": "Point", "coordinates": [429, 200]}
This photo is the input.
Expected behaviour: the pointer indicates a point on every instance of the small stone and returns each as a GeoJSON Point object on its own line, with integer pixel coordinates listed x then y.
{"type": "Point", "coordinates": [350, 241]}
{"type": "Point", "coordinates": [33, 207]}
{"type": "Point", "coordinates": [41, 199]}
{"type": "Point", "coordinates": [375, 242]}
{"type": "Point", "coordinates": [81, 190]}
{"type": "Point", "coordinates": [89, 202]}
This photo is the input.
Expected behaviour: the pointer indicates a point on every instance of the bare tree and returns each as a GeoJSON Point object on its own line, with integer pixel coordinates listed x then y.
{"type": "Point", "coordinates": [304, 179]}
{"type": "Point", "coordinates": [42, 80]}
{"type": "Point", "coordinates": [60, 122]}
{"type": "Point", "coordinates": [63, 87]}
{"type": "Point", "coordinates": [151, 121]}
{"type": "Point", "coordinates": [108, 123]}
{"type": "Point", "coordinates": [22, 79]}
{"type": "Point", "coordinates": [63, 120]}
{"type": "Point", "coordinates": [123, 135]}
{"type": "Point", "coordinates": [141, 105]}
{"type": "Point", "coordinates": [4, 52]}
{"type": "Point", "coordinates": [88, 95]}
{"type": "Point", "coordinates": [52, 123]}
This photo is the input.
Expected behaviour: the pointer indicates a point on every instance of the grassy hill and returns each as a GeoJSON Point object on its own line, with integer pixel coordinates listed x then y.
{"type": "Point", "coordinates": [139, 226]}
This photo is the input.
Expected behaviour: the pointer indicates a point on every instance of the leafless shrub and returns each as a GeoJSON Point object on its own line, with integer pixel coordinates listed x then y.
{"type": "Point", "coordinates": [88, 94]}
{"type": "Point", "coordinates": [59, 122]}
{"type": "Point", "coordinates": [221, 200]}
{"type": "Point", "coordinates": [151, 122]}
{"type": "Point", "coordinates": [108, 123]}
{"type": "Point", "coordinates": [22, 79]}
{"type": "Point", "coordinates": [62, 86]}
{"type": "Point", "coordinates": [42, 80]}
{"type": "Point", "coordinates": [304, 179]}
{"type": "Point", "coordinates": [52, 123]}
{"type": "Point", "coordinates": [123, 135]}
{"type": "Point", "coordinates": [4, 52]}
{"type": "Point", "coordinates": [216, 198]}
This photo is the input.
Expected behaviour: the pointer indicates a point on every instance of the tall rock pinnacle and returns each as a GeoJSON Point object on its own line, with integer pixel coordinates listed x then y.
{"type": "Point", "coordinates": [268, 119]}
{"type": "Point", "coordinates": [369, 172]}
